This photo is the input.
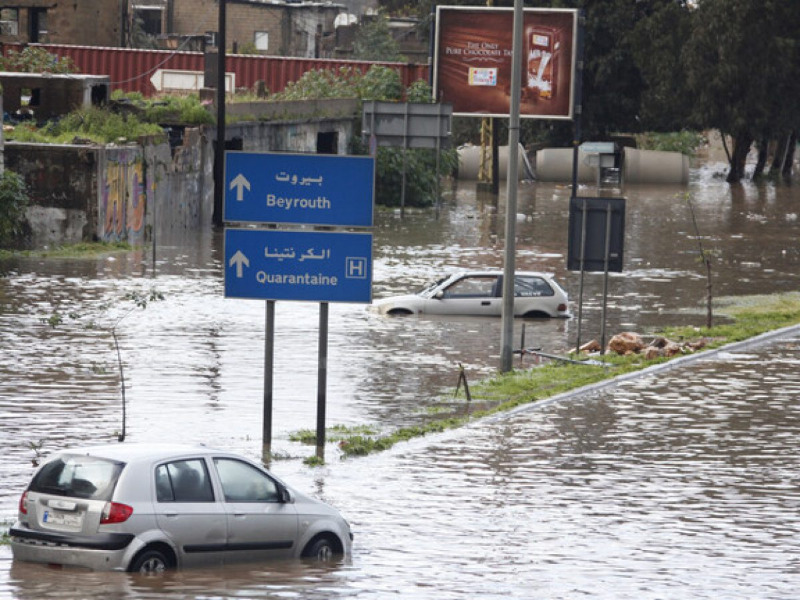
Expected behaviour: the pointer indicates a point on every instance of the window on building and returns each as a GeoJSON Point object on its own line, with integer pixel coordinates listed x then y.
{"type": "Point", "coordinates": [150, 19]}
{"type": "Point", "coordinates": [9, 21]}
{"type": "Point", "coordinates": [37, 18]}
{"type": "Point", "coordinates": [261, 39]}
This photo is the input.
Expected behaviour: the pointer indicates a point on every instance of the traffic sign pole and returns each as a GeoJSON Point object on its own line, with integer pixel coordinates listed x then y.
{"type": "Point", "coordinates": [298, 264]}
{"type": "Point", "coordinates": [322, 378]}
{"type": "Point", "coordinates": [269, 361]}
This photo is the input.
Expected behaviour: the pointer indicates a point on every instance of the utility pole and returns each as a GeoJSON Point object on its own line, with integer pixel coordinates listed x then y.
{"type": "Point", "coordinates": [219, 151]}
{"type": "Point", "coordinates": [512, 182]}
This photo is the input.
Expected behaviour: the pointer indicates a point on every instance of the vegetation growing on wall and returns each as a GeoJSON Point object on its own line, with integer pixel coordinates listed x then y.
{"type": "Point", "coordinates": [166, 109]}
{"type": "Point", "coordinates": [13, 201]}
{"type": "Point", "coordinates": [35, 60]}
{"type": "Point", "coordinates": [90, 124]}
{"type": "Point", "coordinates": [132, 116]}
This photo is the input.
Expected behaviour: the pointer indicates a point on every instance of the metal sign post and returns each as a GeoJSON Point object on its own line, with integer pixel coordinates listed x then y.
{"type": "Point", "coordinates": [596, 240]}
{"type": "Point", "coordinates": [322, 378]}
{"type": "Point", "coordinates": [298, 264]}
{"type": "Point", "coordinates": [269, 361]}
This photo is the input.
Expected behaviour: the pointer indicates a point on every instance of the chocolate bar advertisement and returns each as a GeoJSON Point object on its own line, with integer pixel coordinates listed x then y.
{"type": "Point", "coordinates": [472, 62]}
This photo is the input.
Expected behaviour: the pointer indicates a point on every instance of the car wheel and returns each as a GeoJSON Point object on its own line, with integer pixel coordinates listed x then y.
{"type": "Point", "coordinates": [536, 314]}
{"type": "Point", "coordinates": [399, 311]}
{"type": "Point", "coordinates": [149, 562]}
{"type": "Point", "coordinates": [321, 550]}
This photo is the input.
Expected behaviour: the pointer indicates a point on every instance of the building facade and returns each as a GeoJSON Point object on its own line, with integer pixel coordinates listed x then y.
{"type": "Point", "coordinates": [80, 22]}
{"type": "Point", "coordinates": [272, 28]}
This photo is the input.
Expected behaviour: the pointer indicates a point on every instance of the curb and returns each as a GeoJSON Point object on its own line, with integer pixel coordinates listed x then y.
{"type": "Point", "coordinates": [758, 340]}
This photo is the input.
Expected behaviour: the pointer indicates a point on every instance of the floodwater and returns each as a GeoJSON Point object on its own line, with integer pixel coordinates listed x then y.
{"type": "Point", "coordinates": [671, 486]}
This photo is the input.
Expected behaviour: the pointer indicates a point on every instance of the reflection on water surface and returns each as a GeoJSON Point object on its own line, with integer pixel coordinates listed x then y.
{"type": "Point", "coordinates": [680, 486]}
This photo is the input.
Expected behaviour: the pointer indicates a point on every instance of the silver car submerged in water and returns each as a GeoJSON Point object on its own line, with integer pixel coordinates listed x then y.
{"type": "Point", "coordinates": [480, 293]}
{"type": "Point", "coordinates": [149, 507]}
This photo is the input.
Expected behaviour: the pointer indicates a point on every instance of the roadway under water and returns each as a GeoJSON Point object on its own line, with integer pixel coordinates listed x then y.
{"type": "Point", "coordinates": [683, 485]}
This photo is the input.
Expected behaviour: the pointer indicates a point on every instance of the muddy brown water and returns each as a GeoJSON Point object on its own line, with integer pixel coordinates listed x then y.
{"type": "Point", "coordinates": [684, 485]}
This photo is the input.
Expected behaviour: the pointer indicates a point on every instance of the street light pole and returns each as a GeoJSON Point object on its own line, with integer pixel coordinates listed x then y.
{"type": "Point", "coordinates": [507, 335]}
{"type": "Point", "coordinates": [219, 151]}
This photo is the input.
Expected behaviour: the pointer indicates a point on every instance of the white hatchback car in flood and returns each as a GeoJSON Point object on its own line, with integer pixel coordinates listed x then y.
{"type": "Point", "coordinates": [149, 507]}
{"type": "Point", "coordinates": [480, 293]}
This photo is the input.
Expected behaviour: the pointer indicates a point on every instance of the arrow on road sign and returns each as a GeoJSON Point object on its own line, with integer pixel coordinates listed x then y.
{"type": "Point", "coordinates": [239, 260]}
{"type": "Point", "coordinates": [240, 182]}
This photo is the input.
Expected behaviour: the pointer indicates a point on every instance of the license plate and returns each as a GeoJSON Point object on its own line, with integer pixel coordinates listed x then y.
{"type": "Point", "coordinates": [52, 517]}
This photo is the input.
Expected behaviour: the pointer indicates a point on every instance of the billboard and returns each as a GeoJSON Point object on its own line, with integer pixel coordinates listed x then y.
{"type": "Point", "coordinates": [472, 61]}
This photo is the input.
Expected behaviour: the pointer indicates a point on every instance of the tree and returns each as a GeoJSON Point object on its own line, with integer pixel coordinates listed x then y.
{"type": "Point", "coordinates": [742, 64]}
{"type": "Point", "coordinates": [657, 41]}
{"type": "Point", "coordinates": [374, 41]}
{"type": "Point", "coordinates": [612, 84]}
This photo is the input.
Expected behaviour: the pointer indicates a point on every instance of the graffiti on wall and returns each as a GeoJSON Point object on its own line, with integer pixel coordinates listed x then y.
{"type": "Point", "coordinates": [124, 198]}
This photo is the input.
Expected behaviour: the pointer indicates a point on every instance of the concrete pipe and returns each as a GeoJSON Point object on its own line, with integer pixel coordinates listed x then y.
{"type": "Point", "coordinates": [555, 164]}
{"type": "Point", "coordinates": [653, 166]}
{"type": "Point", "coordinates": [469, 162]}
{"type": "Point", "coordinates": [638, 166]}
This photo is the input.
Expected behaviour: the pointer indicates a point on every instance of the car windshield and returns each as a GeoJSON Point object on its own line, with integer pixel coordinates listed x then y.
{"type": "Point", "coordinates": [478, 286]}
{"type": "Point", "coordinates": [428, 289]}
{"type": "Point", "coordinates": [78, 476]}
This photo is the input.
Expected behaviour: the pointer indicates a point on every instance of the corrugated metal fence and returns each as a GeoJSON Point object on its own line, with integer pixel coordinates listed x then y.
{"type": "Point", "coordinates": [131, 69]}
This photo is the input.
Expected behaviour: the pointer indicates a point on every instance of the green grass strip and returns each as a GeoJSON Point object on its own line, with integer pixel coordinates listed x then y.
{"type": "Point", "coordinates": [79, 250]}
{"type": "Point", "coordinates": [746, 317]}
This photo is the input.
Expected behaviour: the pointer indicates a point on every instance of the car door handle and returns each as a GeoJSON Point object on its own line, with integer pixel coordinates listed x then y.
{"type": "Point", "coordinates": [170, 514]}
{"type": "Point", "coordinates": [485, 302]}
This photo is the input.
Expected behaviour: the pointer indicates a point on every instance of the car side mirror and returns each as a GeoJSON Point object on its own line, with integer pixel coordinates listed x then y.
{"type": "Point", "coordinates": [286, 496]}
{"type": "Point", "coordinates": [439, 295]}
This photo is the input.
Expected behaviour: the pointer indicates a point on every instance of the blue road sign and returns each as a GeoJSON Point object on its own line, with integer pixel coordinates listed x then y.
{"type": "Point", "coordinates": [313, 189]}
{"type": "Point", "coordinates": [316, 266]}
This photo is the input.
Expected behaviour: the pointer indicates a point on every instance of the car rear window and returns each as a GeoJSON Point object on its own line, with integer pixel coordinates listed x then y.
{"type": "Point", "coordinates": [529, 287]}
{"type": "Point", "coordinates": [78, 476]}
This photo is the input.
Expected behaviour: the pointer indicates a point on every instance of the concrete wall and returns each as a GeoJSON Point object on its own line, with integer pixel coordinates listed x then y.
{"type": "Point", "coordinates": [53, 95]}
{"type": "Point", "coordinates": [124, 194]}
{"type": "Point", "coordinates": [304, 135]}
{"type": "Point", "coordinates": [63, 184]}
{"type": "Point", "coordinates": [183, 180]}
{"type": "Point", "coordinates": [112, 193]}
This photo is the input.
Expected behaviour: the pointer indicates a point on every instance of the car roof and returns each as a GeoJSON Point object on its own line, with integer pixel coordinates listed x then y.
{"type": "Point", "coordinates": [489, 272]}
{"type": "Point", "coordinates": [128, 451]}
